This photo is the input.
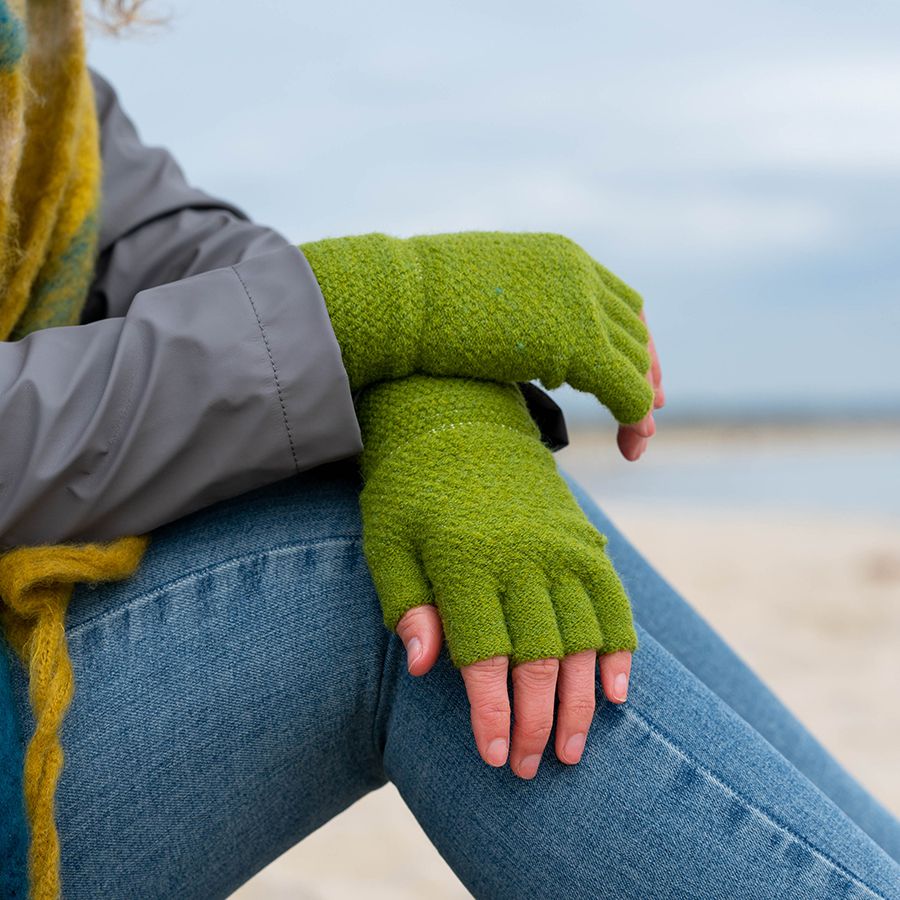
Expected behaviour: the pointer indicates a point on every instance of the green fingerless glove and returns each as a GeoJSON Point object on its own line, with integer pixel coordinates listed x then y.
{"type": "Point", "coordinates": [485, 304]}
{"type": "Point", "coordinates": [463, 507]}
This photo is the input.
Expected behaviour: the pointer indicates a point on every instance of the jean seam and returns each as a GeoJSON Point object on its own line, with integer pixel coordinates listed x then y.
{"type": "Point", "coordinates": [193, 574]}
{"type": "Point", "coordinates": [769, 817]}
{"type": "Point", "coordinates": [379, 702]}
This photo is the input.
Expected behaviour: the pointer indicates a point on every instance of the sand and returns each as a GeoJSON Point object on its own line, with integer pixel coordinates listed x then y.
{"type": "Point", "coordinates": [833, 583]}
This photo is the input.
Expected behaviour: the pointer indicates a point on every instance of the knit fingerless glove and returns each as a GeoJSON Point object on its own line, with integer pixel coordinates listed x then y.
{"type": "Point", "coordinates": [463, 507]}
{"type": "Point", "coordinates": [485, 304]}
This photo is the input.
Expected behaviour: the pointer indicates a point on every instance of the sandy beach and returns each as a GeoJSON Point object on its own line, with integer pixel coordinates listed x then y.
{"type": "Point", "coordinates": [831, 580]}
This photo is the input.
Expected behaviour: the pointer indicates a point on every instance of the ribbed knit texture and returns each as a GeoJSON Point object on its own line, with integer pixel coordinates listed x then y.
{"type": "Point", "coordinates": [463, 506]}
{"type": "Point", "coordinates": [50, 180]}
{"type": "Point", "coordinates": [485, 304]}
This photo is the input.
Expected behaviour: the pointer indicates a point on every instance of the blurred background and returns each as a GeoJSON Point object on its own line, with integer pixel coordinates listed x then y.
{"type": "Point", "coordinates": [736, 163]}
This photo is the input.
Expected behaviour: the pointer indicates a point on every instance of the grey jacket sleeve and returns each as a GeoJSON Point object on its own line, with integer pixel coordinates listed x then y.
{"type": "Point", "coordinates": [205, 365]}
{"type": "Point", "coordinates": [155, 226]}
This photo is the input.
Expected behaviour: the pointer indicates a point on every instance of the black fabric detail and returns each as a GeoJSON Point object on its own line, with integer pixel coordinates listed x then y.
{"type": "Point", "coordinates": [547, 416]}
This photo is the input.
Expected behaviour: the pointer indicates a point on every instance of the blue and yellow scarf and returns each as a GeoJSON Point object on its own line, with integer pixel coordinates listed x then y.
{"type": "Point", "coordinates": [50, 179]}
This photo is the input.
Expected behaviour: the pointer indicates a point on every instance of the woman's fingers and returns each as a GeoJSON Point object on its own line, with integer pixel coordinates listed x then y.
{"type": "Point", "coordinates": [489, 700]}
{"type": "Point", "coordinates": [615, 669]}
{"type": "Point", "coordinates": [655, 370]}
{"type": "Point", "coordinates": [577, 703]}
{"type": "Point", "coordinates": [534, 692]}
{"type": "Point", "coordinates": [645, 428]}
{"type": "Point", "coordinates": [535, 687]}
{"type": "Point", "coordinates": [422, 635]}
{"type": "Point", "coordinates": [631, 444]}
{"type": "Point", "coordinates": [633, 439]}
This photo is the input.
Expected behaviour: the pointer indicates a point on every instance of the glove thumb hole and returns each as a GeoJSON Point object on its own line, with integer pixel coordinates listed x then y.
{"type": "Point", "coordinates": [399, 580]}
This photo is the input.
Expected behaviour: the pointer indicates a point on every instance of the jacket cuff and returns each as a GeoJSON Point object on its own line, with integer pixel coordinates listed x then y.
{"type": "Point", "coordinates": [310, 382]}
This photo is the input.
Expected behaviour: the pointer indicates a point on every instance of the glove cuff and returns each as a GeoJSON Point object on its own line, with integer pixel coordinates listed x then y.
{"type": "Point", "coordinates": [372, 285]}
{"type": "Point", "coordinates": [393, 413]}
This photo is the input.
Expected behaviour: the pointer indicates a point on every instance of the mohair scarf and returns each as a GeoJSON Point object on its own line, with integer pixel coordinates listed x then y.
{"type": "Point", "coordinates": [50, 179]}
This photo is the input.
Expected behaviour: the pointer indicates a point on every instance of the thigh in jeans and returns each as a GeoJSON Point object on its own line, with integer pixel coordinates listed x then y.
{"type": "Point", "coordinates": [241, 689]}
{"type": "Point", "coordinates": [690, 639]}
{"type": "Point", "coordinates": [677, 795]}
{"type": "Point", "coordinates": [224, 695]}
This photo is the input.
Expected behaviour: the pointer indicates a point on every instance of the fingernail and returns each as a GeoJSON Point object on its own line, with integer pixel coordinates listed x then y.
{"type": "Point", "coordinates": [529, 766]}
{"type": "Point", "coordinates": [496, 752]}
{"type": "Point", "coordinates": [574, 746]}
{"type": "Point", "coordinates": [620, 686]}
{"type": "Point", "coordinates": [413, 651]}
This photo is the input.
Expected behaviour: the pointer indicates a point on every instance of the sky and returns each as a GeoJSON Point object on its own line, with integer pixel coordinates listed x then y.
{"type": "Point", "coordinates": [736, 163]}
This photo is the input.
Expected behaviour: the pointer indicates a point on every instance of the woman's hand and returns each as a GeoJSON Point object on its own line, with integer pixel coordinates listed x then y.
{"type": "Point", "coordinates": [535, 685]}
{"type": "Point", "coordinates": [499, 306]}
{"type": "Point", "coordinates": [464, 510]}
{"type": "Point", "coordinates": [633, 439]}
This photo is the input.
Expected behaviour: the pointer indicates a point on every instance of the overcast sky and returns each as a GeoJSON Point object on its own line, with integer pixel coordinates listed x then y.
{"type": "Point", "coordinates": [739, 164]}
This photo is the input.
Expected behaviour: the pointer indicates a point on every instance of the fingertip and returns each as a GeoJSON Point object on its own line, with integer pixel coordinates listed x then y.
{"type": "Point", "coordinates": [431, 650]}
{"type": "Point", "coordinates": [625, 440]}
{"type": "Point", "coordinates": [631, 445]}
{"type": "Point", "coordinates": [615, 672]}
{"type": "Point", "coordinates": [421, 633]}
{"type": "Point", "coordinates": [620, 688]}
{"type": "Point", "coordinates": [497, 752]}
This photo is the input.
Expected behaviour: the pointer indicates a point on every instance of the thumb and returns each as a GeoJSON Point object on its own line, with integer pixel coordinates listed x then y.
{"type": "Point", "coordinates": [422, 635]}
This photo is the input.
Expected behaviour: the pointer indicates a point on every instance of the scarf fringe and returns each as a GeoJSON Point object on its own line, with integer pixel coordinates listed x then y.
{"type": "Point", "coordinates": [36, 584]}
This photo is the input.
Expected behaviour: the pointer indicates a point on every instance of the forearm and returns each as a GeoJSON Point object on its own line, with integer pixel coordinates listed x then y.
{"type": "Point", "coordinates": [208, 387]}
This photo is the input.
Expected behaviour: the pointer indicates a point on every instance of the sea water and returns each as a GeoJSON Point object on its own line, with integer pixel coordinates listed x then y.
{"type": "Point", "coordinates": [805, 476]}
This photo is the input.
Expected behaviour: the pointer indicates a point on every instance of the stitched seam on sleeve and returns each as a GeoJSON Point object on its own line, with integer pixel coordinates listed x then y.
{"type": "Point", "coordinates": [265, 338]}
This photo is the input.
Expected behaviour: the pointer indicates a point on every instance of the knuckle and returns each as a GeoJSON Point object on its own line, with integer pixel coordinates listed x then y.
{"type": "Point", "coordinates": [580, 707]}
{"type": "Point", "coordinates": [406, 626]}
{"type": "Point", "coordinates": [537, 671]}
{"type": "Point", "coordinates": [413, 621]}
{"type": "Point", "coordinates": [535, 731]}
{"type": "Point", "coordinates": [485, 670]}
{"type": "Point", "coordinates": [490, 709]}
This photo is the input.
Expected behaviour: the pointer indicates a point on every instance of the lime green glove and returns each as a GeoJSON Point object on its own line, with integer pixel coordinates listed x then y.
{"type": "Point", "coordinates": [485, 304]}
{"type": "Point", "coordinates": [463, 507]}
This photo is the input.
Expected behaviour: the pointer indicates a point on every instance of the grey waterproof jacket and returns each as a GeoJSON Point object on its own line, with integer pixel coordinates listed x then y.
{"type": "Point", "coordinates": [205, 365]}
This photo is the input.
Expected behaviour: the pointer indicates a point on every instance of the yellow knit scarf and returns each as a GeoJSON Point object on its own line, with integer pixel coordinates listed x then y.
{"type": "Point", "coordinates": [50, 177]}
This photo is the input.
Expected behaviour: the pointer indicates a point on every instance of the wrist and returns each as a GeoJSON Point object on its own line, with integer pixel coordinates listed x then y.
{"type": "Point", "coordinates": [372, 287]}
{"type": "Point", "coordinates": [394, 413]}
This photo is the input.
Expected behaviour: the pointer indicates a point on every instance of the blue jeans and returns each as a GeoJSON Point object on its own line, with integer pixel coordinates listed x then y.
{"type": "Point", "coordinates": [240, 690]}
